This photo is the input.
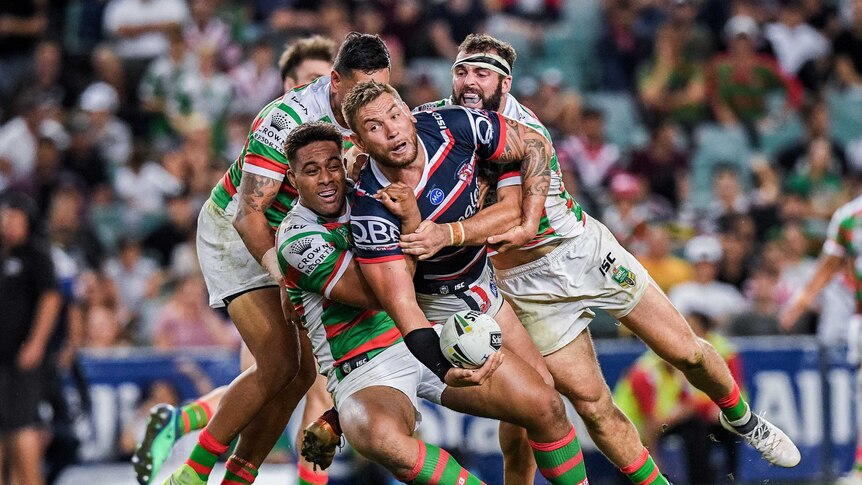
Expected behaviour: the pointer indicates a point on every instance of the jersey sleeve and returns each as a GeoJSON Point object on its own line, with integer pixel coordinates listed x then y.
{"type": "Point", "coordinates": [309, 259]}
{"type": "Point", "coordinates": [264, 154]}
{"type": "Point", "coordinates": [486, 129]}
{"type": "Point", "coordinates": [837, 235]}
{"type": "Point", "coordinates": [376, 232]}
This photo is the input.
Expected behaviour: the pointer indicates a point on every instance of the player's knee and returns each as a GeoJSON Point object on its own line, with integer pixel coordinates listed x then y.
{"type": "Point", "coordinates": [547, 409]}
{"type": "Point", "coordinates": [307, 373]}
{"type": "Point", "coordinates": [692, 358]}
{"type": "Point", "coordinates": [595, 410]}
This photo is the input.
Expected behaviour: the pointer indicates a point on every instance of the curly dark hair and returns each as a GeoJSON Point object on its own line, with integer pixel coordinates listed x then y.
{"type": "Point", "coordinates": [308, 133]}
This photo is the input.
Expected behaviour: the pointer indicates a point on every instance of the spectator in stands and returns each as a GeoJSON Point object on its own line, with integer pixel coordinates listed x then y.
{"type": "Point", "coordinates": [674, 85]}
{"type": "Point", "coordinates": [143, 185]}
{"type": "Point", "coordinates": [661, 165]}
{"type": "Point", "coordinates": [83, 158]}
{"type": "Point", "coordinates": [205, 28]}
{"type": "Point", "coordinates": [847, 48]}
{"type": "Point", "coordinates": [138, 28]}
{"type": "Point", "coordinates": [666, 269]}
{"type": "Point", "coordinates": [256, 81]}
{"type": "Point", "coordinates": [31, 305]}
{"type": "Point", "coordinates": [589, 156]}
{"type": "Point", "coordinates": [48, 174]}
{"type": "Point", "coordinates": [188, 321]}
{"type": "Point", "coordinates": [819, 176]}
{"type": "Point", "coordinates": [817, 125]}
{"type": "Point", "coordinates": [46, 77]}
{"type": "Point", "coordinates": [19, 136]}
{"type": "Point", "coordinates": [453, 20]}
{"type": "Point", "coordinates": [406, 21]}
{"type": "Point", "coordinates": [737, 246]}
{"type": "Point", "coordinates": [162, 81]}
{"type": "Point", "coordinates": [22, 22]}
{"type": "Point", "coordinates": [69, 229]}
{"type": "Point", "coordinates": [739, 81]}
{"type": "Point", "coordinates": [705, 294]}
{"type": "Point", "coordinates": [174, 231]}
{"type": "Point", "coordinates": [103, 329]}
{"type": "Point", "coordinates": [797, 267]}
{"type": "Point", "coordinates": [204, 94]}
{"type": "Point", "coordinates": [629, 211]}
{"type": "Point", "coordinates": [108, 68]}
{"type": "Point", "coordinates": [112, 135]}
{"type": "Point", "coordinates": [619, 47]}
{"type": "Point", "coordinates": [762, 316]}
{"type": "Point", "coordinates": [136, 277]}
{"type": "Point", "coordinates": [728, 196]}
{"type": "Point", "coordinates": [801, 50]}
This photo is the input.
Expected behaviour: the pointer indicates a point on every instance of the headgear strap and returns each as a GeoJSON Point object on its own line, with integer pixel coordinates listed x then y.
{"type": "Point", "coordinates": [486, 60]}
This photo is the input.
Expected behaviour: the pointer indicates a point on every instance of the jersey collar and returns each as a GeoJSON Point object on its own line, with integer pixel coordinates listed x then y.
{"type": "Point", "coordinates": [383, 181]}
{"type": "Point", "coordinates": [310, 215]}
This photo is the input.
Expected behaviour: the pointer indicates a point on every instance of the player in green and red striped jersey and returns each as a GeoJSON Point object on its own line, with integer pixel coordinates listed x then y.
{"type": "Point", "coordinates": [373, 377]}
{"type": "Point", "coordinates": [302, 62]}
{"type": "Point", "coordinates": [236, 250]}
{"type": "Point", "coordinates": [575, 263]}
{"type": "Point", "coordinates": [843, 248]}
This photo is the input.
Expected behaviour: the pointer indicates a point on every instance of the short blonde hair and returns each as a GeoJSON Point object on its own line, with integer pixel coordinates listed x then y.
{"type": "Point", "coordinates": [360, 96]}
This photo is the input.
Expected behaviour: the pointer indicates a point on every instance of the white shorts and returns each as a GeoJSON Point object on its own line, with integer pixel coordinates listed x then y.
{"type": "Point", "coordinates": [227, 266]}
{"type": "Point", "coordinates": [481, 295]}
{"type": "Point", "coordinates": [552, 295]}
{"type": "Point", "coordinates": [395, 367]}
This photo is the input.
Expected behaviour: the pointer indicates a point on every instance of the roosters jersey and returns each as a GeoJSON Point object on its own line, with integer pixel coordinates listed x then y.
{"type": "Point", "coordinates": [455, 140]}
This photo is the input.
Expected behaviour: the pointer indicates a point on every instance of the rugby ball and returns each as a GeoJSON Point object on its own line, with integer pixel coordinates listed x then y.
{"type": "Point", "coordinates": [469, 337]}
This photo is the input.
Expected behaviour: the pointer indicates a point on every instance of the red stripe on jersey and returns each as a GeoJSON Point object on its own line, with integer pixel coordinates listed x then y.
{"type": "Point", "coordinates": [382, 259]}
{"type": "Point", "coordinates": [381, 341]}
{"type": "Point", "coordinates": [279, 206]}
{"type": "Point", "coordinates": [335, 269]}
{"type": "Point", "coordinates": [288, 189]}
{"type": "Point", "coordinates": [452, 200]}
{"type": "Point", "coordinates": [228, 184]}
{"type": "Point", "coordinates": [263, 162]}
{"type": "Point", "coordinates": [501, 144]}
{"type": "Point", "coordinates": [437, 160]}
{"type": "Point", "coordinates": [509, 175]}
{"type": "Point", "coordinates": [333, 330]}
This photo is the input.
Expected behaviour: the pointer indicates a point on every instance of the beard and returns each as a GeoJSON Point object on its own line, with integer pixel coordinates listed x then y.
{"type": "Point", "coordinates": [490, 103]}
{"type": "Point", "coordinates": [384, 158]}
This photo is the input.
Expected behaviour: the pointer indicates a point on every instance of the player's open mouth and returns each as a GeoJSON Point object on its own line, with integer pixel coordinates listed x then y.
{"type": "Point", "coordinates": [400, 148]}
{"type": "Point", "coordinates": [328, 195]}
{"type": "Point", "coordinates": [471, 99]}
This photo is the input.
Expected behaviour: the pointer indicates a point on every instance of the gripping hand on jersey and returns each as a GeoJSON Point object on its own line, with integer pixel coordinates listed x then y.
{"type": "Point", "coordinates": [400, 200]}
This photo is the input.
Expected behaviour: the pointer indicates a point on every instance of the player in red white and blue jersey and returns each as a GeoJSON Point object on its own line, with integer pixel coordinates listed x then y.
{"type": "Point", "coordinates": [437, 154]}
{"type": "Point", "coordinates": [573, 265]}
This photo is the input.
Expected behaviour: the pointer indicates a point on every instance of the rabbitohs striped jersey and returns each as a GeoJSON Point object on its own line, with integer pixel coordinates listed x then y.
{"type": "Point", "coordinates": [313, 253]}
{"type": "Point", "coordinates": [563, 216]}
{"type": "Point", "coordinates": [844, 240]}
{"type": "Point", "coordinates": [263, 152]}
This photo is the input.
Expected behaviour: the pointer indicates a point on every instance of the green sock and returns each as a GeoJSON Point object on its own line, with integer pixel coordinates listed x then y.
{"type": "Point", "coordinates": [734, 408]}
{"type": "Point", "coordinates": [239, 472]}
{"type": "Point", "coordinates": [193, 416]}
{"type": "Point", "coordinates": [205, 454]}
{"type": "Point", "coordinates": [435, 466]}
{"type": "Point", "coordinates": [644, 471]}
{"type": "Point", "coordinates": [561, 462]}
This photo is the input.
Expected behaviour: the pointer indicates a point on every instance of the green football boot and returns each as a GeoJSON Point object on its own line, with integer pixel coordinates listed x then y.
{"type": "Point", "coordinates": [158, 441]}
{"type": "Point", "coordinates": [184, 475]}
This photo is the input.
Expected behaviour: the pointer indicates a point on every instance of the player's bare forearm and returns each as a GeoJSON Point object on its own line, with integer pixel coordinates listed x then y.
{"type": "Point", "coordinates": [533, 151]}
{"type": "Point", "coordinates": [353, 289]}
{"type": "Point", "coordinates": [392, 283]}
{"type": "Point", "coordinates": [256, 194]}
{"type": "Point", "coordinates": [494, 219]}
{"type": "Point", "coordinates": [826, 270]}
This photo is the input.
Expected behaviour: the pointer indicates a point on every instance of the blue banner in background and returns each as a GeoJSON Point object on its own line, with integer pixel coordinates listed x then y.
{"type": "Point", "coordinates": [806, 391]}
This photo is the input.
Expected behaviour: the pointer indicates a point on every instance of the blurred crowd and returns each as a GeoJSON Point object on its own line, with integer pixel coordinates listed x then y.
{"type": "Point", "coordinates": [739, 122]}
{"type": "Point", "coordinates": [713, 137]}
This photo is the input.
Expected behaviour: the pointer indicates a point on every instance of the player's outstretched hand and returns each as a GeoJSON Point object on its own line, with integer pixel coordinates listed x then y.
{"type": "Point", "coordinates": [457, 377]}
{"type": "Point", "coordinates": [354, 160]}
{"type": "Point", "coordinates": [399, 199]}
{"type": "Point", "coordinates": [512, 239]}
{"type": "Point", "coordinates": [426, 241]}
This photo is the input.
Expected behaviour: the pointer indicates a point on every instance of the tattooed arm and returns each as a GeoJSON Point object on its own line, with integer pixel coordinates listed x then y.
{"type": "Point", "coordinates": [533, 151]}
{"type": "Point", "coordinates": [256, 194]}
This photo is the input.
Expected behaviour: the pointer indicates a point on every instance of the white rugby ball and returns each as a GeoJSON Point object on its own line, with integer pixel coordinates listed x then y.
{"type": "Point", "coordinates": [469, 338]}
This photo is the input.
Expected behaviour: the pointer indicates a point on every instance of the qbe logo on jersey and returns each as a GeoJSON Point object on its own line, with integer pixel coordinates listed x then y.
{"type": "Point", "coordinates": [373, 233]}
